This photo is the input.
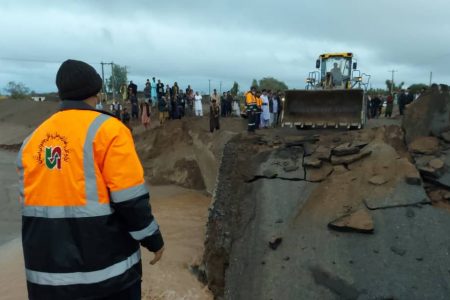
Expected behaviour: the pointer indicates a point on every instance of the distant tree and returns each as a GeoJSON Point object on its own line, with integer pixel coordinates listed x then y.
{"type": "Point", "coordinates": [395, 87]}
{"type": "Point", "coordinates": [17, 90]}
{"type": "Point", "coordinates": [255, 83]}
{"type": "Point", "coordinates": [270, 83]}
{"type": "Point", "coordinates": [417, 87]}
{"type": "Point", "coordinates": [234, 89]}
{"type": "Point", "coordinates": [373, 92]}
{"type": "Point", "coordinates": [117, 78]}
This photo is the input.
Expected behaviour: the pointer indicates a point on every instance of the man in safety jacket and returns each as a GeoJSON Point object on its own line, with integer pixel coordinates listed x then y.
{"type": "Point", "coordinates": [85, 205]}
{"type": "Point", "coordinates": [251, 107]}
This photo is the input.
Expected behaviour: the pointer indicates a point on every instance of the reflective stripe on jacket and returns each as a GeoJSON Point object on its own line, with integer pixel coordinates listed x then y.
{"type": "Point", "coordinates": [85, 206]}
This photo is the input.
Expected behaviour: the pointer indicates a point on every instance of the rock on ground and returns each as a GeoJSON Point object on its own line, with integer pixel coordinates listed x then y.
{"type": "Point", "coordinates": [424, 145]}
{"type": "Point", "coordinates": [359, 221]}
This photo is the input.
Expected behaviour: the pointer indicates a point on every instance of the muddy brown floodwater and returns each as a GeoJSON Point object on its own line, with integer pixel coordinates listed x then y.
{"type": "Point", "coordinates": [182, 216]}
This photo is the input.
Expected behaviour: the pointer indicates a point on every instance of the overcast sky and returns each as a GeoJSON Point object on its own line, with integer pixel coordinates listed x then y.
{"type": "Point", "coordinates": [224, 41]}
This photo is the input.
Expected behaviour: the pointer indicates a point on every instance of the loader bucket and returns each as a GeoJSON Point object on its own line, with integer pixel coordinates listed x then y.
{"type": "Point", "coordinates": [324, 108]}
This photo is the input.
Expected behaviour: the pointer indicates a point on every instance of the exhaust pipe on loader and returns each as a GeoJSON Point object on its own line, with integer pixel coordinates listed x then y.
{"type": "Point", "coordinates": [324, 109]}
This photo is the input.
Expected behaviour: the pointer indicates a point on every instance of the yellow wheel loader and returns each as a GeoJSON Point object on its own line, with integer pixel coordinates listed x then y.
{"type": "Point", "coordinates": [334, 96]}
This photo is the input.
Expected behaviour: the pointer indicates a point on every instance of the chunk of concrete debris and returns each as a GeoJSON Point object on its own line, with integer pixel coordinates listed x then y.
{"type": "Point", "coordinates": [360, 144]}
{"type": "Point", "coordinates": [430, 172]}
{"type": "Point", "coordinates": [319, 174]}
{"type": "Point", "coordinates": [309, 148]}
{"type": "Point", "coordinates": [358, 221]}
{"type": "Point", "coordinates": [436, 164]}
{"type": "Point", "coordinates": [423, 160]}
{"type": "Point", "coordinates": [345, 149]}
{"type": "Point", "coordinates": [446, 136]}
{"type": "Point", "coordinates": [322, 153]}
{"type": "Point", "coordinates": [275, 242]}
{"type": "Point", "coordinates": [402, 194]}
{"type": "Point", "coordinates": [313, 162]}
{"type": "Point", "coordinates": [424, 145]}
{"type": "Point", "coordinates": [290, 168]}
{"type": "Point", "coordinates": [436, 196]}
{"type": "Point", "coordinates": [340, 160]}
{"type": "Point", "coordinates": [378, 180]}
{"type": "Point", "coordinates": [413, 178]}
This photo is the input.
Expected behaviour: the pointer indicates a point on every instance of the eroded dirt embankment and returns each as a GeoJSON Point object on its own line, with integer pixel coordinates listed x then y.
{"type": "Point", "coordinates": [184, 152]}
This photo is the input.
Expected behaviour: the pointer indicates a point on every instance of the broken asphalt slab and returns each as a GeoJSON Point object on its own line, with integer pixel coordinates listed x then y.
{"type": "Point", "coordinates": [352, 266]}
{"type": "Point", "coordinates": [402, 194]}
{"type": "Point", "coordinates": [286, 163]}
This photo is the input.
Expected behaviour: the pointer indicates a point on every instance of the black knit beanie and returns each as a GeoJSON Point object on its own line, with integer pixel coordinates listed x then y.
{"type": "Point", "coordinates": [76, 80]}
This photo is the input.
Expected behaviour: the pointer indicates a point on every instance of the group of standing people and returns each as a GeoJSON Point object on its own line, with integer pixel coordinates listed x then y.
{"type": "Point", "coordinates": [375, 103]}
{"type": "Point", "coordinates": [263, 108]}
{"type": "Point", "coordinates": [171, 102]}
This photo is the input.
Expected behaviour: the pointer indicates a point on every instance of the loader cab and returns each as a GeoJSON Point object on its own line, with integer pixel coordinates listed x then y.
{"type": "Point", "coordinates": [335, 70]}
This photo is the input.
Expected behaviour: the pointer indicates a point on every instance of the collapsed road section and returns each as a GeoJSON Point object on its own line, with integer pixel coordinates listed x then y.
{"type": "Point", "coordinates": [337, 215]}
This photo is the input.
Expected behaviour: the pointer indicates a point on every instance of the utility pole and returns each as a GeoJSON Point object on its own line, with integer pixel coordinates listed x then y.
{"type": "Point", "coordinates": [392, 81]}
{"type": "Point", "coordinates": [431, 77]}
{"type": "Point", "coordinates": [103, 78]}
{"type": "Point", "coordinates": [220, 88]}
{"type": "Point", "coordinates": [209, 86]}
{"type": "Point", "coordinates": [113, 81]}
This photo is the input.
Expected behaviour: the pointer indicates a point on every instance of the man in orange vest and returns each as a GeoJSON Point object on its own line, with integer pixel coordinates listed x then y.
{"type": "Point", "coordinates": [251, 107]}
{"type": "Point", "coordinates": [85, 204]}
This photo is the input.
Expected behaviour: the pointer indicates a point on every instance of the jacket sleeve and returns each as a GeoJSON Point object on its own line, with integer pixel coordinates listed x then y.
{"type": "Point", "coordinates": [130, 198]}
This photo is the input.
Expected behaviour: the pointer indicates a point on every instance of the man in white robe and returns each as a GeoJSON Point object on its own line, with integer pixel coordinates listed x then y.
{"type": "Point", "coordinates": [198, 108]}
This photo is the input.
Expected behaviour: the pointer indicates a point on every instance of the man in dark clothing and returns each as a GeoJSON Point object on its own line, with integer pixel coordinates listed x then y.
{"type": "Point", "coordinates": [160, 89]}
{"type": "Point", "coordinates": [214, 115]}
{"type": "Point", "coordinates": [174, 108]}
{"type": "Point", "coordinates": [409, 97]}
{"type": "Point", "coordinates": [223, 104]}
{"type": "Point", "coordinates": [175, 90]}
{"type": "Point", "coordinates": [181, 101]}
{"type": "Point", "coordinates": [280, 107]}
{"type": "Point", "coordinates": [134, 107]}
{"type": "Point", "coordinates": [376, 104]}
{"type": "Point", "coordinates": [229, 104]}
{"type": "Point", "coordinates": [133, 87]}
{"type": "Point", "coordinates": [125, 117]}
{"type": "Point", "coordinates": [163, 110]}
{"type": "Point", "coordinates": [402, 102]}
{"type": "Point", "coordinates": [84, 202]}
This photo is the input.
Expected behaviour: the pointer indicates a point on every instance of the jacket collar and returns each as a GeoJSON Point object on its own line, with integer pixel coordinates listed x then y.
{"type": "Point", "coordinates": [81, 105]}
{"type": "Point", "coordinates": [75, 104]}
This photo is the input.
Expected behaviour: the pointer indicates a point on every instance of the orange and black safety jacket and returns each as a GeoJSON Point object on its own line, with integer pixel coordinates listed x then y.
{"type": "Point", "coordinates": [85, 206]}
{"type": "Point", "coordinates": [251, 102]}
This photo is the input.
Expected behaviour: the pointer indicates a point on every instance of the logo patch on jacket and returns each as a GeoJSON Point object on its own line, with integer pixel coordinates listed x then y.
{"type": "Point", "coordinates": [53, 150]}
{"type": "Point", "coordinates": [53, 157]}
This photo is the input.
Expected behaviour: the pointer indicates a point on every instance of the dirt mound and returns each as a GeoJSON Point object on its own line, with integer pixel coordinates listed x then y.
{"type": "Point", "coordinates": [184, 152]}
{"type": "Point", "coordinates": [428, 115]}
{"type": "Point", "coordinates": [18, 118]}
